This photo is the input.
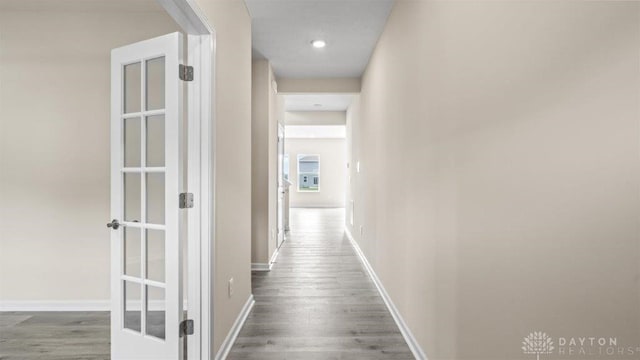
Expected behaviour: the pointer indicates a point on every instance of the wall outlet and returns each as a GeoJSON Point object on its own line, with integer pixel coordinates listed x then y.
{"type": "Point", "coordinates": [231, 287]}
{"type": "Point", "coordinates": [361, 230]}
{"type": "Point", "coordinates": [358, 166]}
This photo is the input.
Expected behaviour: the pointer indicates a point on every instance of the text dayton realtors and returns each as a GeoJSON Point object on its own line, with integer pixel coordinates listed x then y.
{"type": "Point", "coordinates": [594, 346]}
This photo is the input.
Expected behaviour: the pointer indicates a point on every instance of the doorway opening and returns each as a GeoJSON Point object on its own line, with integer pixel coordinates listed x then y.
{"type": "Point", "coordinates": [315, 144]}
{"type": "Point", "coordinates": [56, 57]}
{"type": "Point", "coordinates": [187, 186]}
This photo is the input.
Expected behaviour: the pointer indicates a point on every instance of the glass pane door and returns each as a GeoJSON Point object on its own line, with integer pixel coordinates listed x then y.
{"type": "Point", "coordinates": [146, 181]}
{"type": "Point", "coordinates": [143, 177]}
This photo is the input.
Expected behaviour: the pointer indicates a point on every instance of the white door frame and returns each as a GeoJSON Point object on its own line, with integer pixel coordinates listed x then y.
{"type": "Point", "coordinates": [280, 203]}
{"type": "Point", "coordinates": [201, 172]}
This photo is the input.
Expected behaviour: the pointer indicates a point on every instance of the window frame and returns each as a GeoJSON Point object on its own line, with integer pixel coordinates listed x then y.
{"type": "Point", "coordinates": [298, 157]}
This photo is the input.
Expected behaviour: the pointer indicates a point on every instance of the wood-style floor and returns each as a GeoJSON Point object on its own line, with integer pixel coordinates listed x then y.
{"type": "Point", "coordinates": [54, 335]}
{"type": "Point", "coordinates": [318, 301]}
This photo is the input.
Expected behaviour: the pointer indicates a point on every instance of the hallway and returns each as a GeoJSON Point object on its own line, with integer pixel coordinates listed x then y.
{"type": "Point", "coordinates": [318, 301]}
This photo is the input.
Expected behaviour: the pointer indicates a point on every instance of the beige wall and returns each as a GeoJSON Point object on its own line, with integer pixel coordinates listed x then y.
{"type": "Point", "coordinates": [54, 148]}
{"type": "Point", "coordinates": [498, 191]}
{"type": "Point", "coordinates": [260, 88]}
{"type": "Point", "coordinates": [315, 118]}
{"type": "Point", "coordinates": [264, 135]}
{"type": "Point", "coordinates": [232, 153]}
{"type": "Point", "coordinates": [332, 172]}
{"type": "Point", "coordinates": [319, 85]}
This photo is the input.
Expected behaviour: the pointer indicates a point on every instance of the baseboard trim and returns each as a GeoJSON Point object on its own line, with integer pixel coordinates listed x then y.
{"type": "Point", "coordinates": [274, 257]}
{"type": "Point", "coordinates": [266, 267]}
{"type": "Point", "coordinates": [317, 206]}
{"type": "Point", "coordinates": [417, 351]}
{"type": "Point", "coordinates": [74, 305]}
{"type": "Point", "coordinates": [55, 305]}
{"type": "Point", "coordinates": [261, 267]}
{"type": "Point", "coordinates": [226, 346]}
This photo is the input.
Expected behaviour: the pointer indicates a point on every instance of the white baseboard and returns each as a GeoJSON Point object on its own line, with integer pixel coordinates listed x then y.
{"type": "Point", "coordinates": [417, 351]}
{"type": "Point", "coordinates": [75, 305]}
{"type": "Point", "coordinates": [56, 305]}
{"type": "Point", "coordinates": [235, 329]}
{"type": "Point", "coordinates": [263, 266]}
{"type": "Point", "coordinates": [317, 206]}
{"type": "Point", "coordinates": [274, 257]}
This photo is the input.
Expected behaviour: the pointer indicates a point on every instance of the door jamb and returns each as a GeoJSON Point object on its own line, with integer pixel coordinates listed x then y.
{"type": "Point", "coordinates": [201, 172]}
{"type": "Point", "coordinates": [281, 186]}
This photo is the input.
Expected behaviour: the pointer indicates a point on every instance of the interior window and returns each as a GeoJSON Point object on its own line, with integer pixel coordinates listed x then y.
{"type": "Point", "coordinates": [309, 173]}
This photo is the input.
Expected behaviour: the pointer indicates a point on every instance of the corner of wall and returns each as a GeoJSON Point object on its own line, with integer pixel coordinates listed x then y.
{"type": "Point", "coordinates": [232, 24]}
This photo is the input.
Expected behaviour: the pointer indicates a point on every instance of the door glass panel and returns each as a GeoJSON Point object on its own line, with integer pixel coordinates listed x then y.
{"type": "Point", "coordinates": [132, 252]}
{"type": "Point", "coordinates": [132, 142]}
{"type": "Point", "coordinates": [155, 198]}
{"type": "Point", "coordinates": [155, 83]}
{"type": "Point", "coordinates": [155, 141]}
{"type": "Point", "coordinates": [132, 306]}
{"type": "Point", "coordinates": [156, 310]}
{"type": "Point", "coordinates": [132, 94]}
{"type": "Point", "coordinates": [155, 255]}
{"type": "Point", "coordinates": [132, 197]}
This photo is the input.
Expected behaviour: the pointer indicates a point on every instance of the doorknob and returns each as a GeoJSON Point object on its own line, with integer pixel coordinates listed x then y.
{"type": "Point", "coordinates": [114, 224]}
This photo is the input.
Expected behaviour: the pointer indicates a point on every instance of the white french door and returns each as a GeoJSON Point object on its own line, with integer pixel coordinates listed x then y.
{"type": "Point", "coordinates": [146, 270]}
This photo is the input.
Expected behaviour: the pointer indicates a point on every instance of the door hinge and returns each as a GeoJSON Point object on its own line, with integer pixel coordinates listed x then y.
{"type": "Point", "coordinates": [186, 327]}
{"type": "Point", "coordinates": [186, 200]}
{"type": "Point", "coordinates": [186, 72]}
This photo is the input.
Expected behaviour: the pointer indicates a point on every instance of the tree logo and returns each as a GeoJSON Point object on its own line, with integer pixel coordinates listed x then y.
{"type": "Point", "coordinates": [537, 343]}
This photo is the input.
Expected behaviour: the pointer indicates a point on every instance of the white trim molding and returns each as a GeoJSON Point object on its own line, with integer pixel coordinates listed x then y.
{"type": "Point", "coordinates": [261, 267]}
{"type": "Point", "coordinates": [417, 351]}
{"type": "Point", "coordinates": [75, 305]}
{"type": "Point", "coordinates": [200, 183]}
{"type": "Point", "coordinates": [317, 206]}
{"type": "Point", "coordinates": [274, 257]}
{"type": "Point", "coordinates": [201, 177]}
{"type": "Point", "coordinates": [266, 267]}
{"type": "Point", "coordinates": [55, 305]}
{"type": "Point", "coordinates": [228, 342]}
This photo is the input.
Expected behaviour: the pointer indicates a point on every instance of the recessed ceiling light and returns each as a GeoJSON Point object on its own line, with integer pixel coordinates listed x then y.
{"type": "Point", "coordinates": [318, 44]}
{"type": "Point", "coordinates": [317, 105]}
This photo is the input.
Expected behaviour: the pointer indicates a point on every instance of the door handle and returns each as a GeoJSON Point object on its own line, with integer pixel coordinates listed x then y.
{"type": "Point", "coordinates": [114, 224]}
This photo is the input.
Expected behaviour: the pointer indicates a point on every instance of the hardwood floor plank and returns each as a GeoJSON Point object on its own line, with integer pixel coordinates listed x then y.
{"type": "Point", "coordinates": [55, 335]}
{"type": "Point", "coordinates": [318, 302]}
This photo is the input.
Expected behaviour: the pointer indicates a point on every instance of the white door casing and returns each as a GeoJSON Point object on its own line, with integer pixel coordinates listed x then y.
{"type": "Point", "coordinates": [146, 168]}
{"type": "Point", "coordinates": [281, 186]}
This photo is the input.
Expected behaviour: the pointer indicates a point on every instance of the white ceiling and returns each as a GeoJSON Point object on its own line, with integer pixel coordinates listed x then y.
{"type": "Point", "coordinates": [310, 102]}
{"type": "Point", "coordinates": [283, 29]}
